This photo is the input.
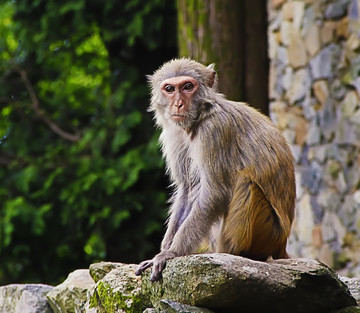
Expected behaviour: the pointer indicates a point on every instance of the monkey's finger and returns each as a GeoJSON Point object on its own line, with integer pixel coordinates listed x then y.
{"type": "Point", "coordinates": [141, 269]}
{"type": "Point", "coordinates": [157, 270]}
{"type": "Point", "coordinates": [155, 276]}
{"type": "Point", "coordinates": [143, 266]}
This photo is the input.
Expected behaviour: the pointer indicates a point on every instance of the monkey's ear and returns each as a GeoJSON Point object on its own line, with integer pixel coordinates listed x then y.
{"type": "Point", "coordinates": [149, 78]}
{"type": "Point", "coordinates": [212, 76]}
{"type": "Point", "coordinates": [211, 66]}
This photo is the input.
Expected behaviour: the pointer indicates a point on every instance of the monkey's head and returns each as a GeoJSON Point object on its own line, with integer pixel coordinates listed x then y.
{"type": "Point", "coordinates": [178, 90]}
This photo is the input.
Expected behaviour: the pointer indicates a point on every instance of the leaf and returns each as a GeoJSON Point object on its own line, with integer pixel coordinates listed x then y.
{"type": "Point", "coordinates": [95, 246]}
{"type": "Point", "coordinates": [39, 221]}
{"type": "Point", "coordinates": [25, 177]}
{"type": "Point", "coordinates": [49, 181]}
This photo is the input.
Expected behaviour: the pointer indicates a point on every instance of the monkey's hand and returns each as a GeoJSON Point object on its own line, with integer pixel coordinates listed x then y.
{"type": "Point", "coordinates": [143, 266]}
{"type": "Point", "coordinates": [158, 264]}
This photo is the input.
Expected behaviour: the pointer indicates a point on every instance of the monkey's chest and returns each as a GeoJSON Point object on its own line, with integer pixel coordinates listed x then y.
{"type": "Point", "coordinates": [191, 173]}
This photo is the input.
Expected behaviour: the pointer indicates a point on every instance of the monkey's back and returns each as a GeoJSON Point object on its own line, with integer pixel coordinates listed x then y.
{"type": "Point", "coordinates": [261, 209]}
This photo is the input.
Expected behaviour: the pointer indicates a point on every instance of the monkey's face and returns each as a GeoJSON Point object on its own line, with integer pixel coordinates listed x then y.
{"type": "Point", "coordinates": [179, 93]}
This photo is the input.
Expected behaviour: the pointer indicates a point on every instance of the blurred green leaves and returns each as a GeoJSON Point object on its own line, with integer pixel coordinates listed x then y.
{"type": "Point", "coordinates": [81, 178]}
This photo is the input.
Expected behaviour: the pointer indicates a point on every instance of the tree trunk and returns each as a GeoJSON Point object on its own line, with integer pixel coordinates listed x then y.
{"type": "Point", "coordinates": [231, 34]}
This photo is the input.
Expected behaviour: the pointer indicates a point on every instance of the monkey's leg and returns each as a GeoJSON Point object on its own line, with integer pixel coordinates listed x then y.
{"type": "Point", "coordinates": [211, 242]}
{"type": "Point", "coordinates": [251, 227]}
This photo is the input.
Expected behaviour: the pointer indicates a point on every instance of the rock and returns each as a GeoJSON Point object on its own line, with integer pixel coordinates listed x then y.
{"type": "Point", "coordinates": [273, 44]}
{"type": "Point", "coordinates": [336, 10]}
{"type": "Point", "coordinates": [287, 78]}
{"type": "Point", "coordinates": [313, 134]}
{"type": "Point", "coordinates": [299, 87]}
{"type": "Point", "coordinates": [308, 106]}
{"type": "Point", "coordinates": [327, 32]}
{"type": "Point", "coordinates": [332, 228]}
{"type": "Point", "coordinates": [353, 285]}
{"type": "Point", "coordinates": [312, 40]}
{"type": "Point", "coordinates": [356, 117]}
{"type": "Point", "coordinates": [356, 83]}
{"type": "Point", "coordinates": [341, 183]}
{"type": "Point", "coordinates": [297, 51]}
{"type": "Point", "coordinates": [296, 151]}
{"type": "Point", "coordinates": [227, 283]}
{"type": "Point", "coordinates": [348, 215]}
{"type": "Point", "coordinates": [279, 114]}
{"type": "Point", "coordinates": [357, 197]}
{"type": "Point", "coordinates": [168, 306]}
{"type": "Point", "coordinates": [327, 119]}
{"type": "Point", "coordinates": [309, 18]}
{"type": "Point", "coordinates": [353, 42]}
{"type": "Point", "coordinates": [71, 295]}
{"type": "Point", "coordinates": [317, 236]}
{"type": "Point", "coordinates": [276, 3]}
{"type": "Point", "coordinates": [333, 169]}
{"type": "Point", "coordinates": [304, 222]}
{"type": "Point", "coordinates": [354, 10]}
{"type": "Point", "coordinates": [286, 32]}
{"type": "Point", "coordinates": [274, 89]}
{"type": "Point", "coordinates": [345, 133]}
{"type": "Point", "coordinates": [319, 153]}
{"type": "Point", "coordinates": [353, 309]}
{"type": "Point", "coordinates": [118, 291]}
{"type": "Point", "coordinates": [322, 64]}
{"type": "Point", "coordinates": [299, 188]}
{"type": "Point", "coordinates": [329, 200]}
{"type": "Point", "coordinates": [28, 298]}
{"type": "Point", "coordinates": [342, 29]}
{"type": "Point", "coordinates": [350, 103]}
{"type": "Point", "coordinates": [289, 135]}
{"type": "Point", "coordinates": [326, 255]}
{"type": "Point", "coordinates": [100, 270]}
{"type": "Point", "coordinates": [337, 89]}
{"type": "Point", "coordinates": [282, 55]}
{"type": "Point", "coordinates": [311, 177]}
{"type": "Point", "coordinates": [321, 90]}
{"type": "Point", "coordinates": [294, 11]}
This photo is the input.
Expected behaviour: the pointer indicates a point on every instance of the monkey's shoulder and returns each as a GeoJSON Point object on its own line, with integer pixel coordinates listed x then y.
{"type": "Point", "coordinates": [240, 116]}
{"type": "Point", "coordinates": [244, 108]}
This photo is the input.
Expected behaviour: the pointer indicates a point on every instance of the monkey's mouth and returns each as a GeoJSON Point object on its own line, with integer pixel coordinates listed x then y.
{"type": "Point", "coordinates": [178, 117]}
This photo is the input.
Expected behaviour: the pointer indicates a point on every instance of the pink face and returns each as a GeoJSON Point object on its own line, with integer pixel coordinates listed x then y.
{"type": "Point", "coordinates": [179, 92]}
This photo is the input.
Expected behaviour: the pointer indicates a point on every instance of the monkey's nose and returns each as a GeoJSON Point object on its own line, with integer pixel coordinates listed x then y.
{"type": "Point", "coordinates": [179, 104]}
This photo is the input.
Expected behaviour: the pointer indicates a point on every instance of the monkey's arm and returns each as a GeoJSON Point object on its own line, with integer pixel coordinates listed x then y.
{"type": "Point", "coordinates": [204, 213]}
{"type": "Point", "coordinates": [179, 211]}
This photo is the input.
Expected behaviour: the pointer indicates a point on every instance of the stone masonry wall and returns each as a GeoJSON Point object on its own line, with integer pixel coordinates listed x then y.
{"type": "Point", "coordinates": [314, 51]}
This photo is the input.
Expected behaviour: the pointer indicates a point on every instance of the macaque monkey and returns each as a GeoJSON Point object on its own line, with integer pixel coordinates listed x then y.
{"type": "Point", "coordinates": [231, 169]}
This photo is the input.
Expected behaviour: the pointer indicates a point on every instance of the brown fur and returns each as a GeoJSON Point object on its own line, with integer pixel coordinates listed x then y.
{"type": "Point", "coordinates": [251, 228]}
{"type": "Point", "coordinates": [231, 168]}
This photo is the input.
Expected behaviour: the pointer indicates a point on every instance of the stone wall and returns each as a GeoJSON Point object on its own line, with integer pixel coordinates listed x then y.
{"type": "Point", "coordinates": [314, 52]}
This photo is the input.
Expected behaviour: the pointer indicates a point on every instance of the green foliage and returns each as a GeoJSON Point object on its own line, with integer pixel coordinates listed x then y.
{"type": "Point", "coordinates": [81, 177]}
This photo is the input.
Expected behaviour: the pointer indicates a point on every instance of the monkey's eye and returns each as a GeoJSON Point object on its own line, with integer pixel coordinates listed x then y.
{"type": "Point", "coordinates": [169, 88]}
{"type": "Point", "coordinates": [188, 86]}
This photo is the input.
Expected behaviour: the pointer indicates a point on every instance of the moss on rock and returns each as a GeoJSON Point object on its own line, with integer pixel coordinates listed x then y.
{"type": "Point", "coordinates": [119, 291]}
